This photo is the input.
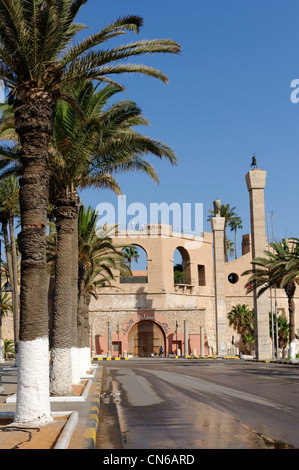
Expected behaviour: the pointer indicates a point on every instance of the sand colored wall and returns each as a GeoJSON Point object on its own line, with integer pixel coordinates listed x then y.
{"type": "Point", "coordinates": [165, 303]}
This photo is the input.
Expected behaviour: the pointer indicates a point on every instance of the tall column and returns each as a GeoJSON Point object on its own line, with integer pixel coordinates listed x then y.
{"type": "Point", "coordinates": [109, 353]}
{"type": "Point", "coordinates": [256, 180]}
{"type": "Point", "coordinates": [202, 341]}
{"type": "Point", "coordinates": [186, 347]}
{"type": "Point", "coordinates": [217, 224]}
{"type": "Point", "coordinates": [93, 344]}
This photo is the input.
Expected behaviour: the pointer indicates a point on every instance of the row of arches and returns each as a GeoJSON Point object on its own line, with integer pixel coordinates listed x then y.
{"type": "Point", "coordinates": [137, 259]}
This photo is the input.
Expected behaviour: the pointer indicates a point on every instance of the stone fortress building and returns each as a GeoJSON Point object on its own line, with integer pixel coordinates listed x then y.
{"type": "Point", "coordinates": [148, 310]}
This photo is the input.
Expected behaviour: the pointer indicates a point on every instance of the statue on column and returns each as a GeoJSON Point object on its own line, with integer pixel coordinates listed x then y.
{"type": "Point", "coordinates": [217, 207]}
{"type": "Point", "coordinates": [253, 162]}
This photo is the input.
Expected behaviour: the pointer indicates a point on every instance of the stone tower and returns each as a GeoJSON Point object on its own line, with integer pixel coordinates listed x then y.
{"type": "Point", "coordinates": [256, 180]}
{"type": "Point", "coordinates": [217, 224]}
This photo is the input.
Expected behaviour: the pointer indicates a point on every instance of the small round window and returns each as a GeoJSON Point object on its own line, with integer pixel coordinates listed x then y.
{"type": "Point", "coordinates": [233, 278]}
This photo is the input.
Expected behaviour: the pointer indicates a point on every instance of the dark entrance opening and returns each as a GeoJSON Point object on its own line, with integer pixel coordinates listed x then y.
{"type": "Point", "coordinates": [145, 338]}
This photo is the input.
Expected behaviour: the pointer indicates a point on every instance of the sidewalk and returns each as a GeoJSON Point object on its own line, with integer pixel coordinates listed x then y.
{"type": "Point", "coordinates": [75, 418]}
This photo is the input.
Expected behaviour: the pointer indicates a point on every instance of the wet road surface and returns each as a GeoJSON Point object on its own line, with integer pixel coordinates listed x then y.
{"type": "Point", "coordinates": [199, 404]}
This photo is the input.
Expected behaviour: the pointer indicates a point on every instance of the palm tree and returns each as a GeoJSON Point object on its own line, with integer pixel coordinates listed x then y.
{"type": "Point", "coordinates": [279, 268]}
{"type": "Point", "coordinates": [235, 224]}
{"type": "Point", "coordinates": [6, 306]}
{"type": "Point", "coordinates": [9, 209]}
{"type": "Point", "coordinates": [229, 214]}
{"type": "Point", "coordinates": [99, 263]}
{"type": "Point", "coordinates": [131, 253]}
{"type": "Point", "coordinates": [37, 61]}
{"type": "Point", "coordinates": [230, 248]}
{"type": "Point", "coordinates": [242, 319]}
{"type": "Point", "coordinates": [86, 152]}
{"type": "Point", "coordinates": [283, 330]}
{"type": "Point", "coordinates": [82, 151]}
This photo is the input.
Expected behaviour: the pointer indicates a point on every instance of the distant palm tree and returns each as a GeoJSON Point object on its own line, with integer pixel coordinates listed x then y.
{"type": "Point", "coordinates": [241, 317]}
{"type": "Point", "coordinates": [6, 306]}
{"type": "Point", "coordinates": [283, 330]}
{"type": "Point", "coordinates": [235, 224]}
{"type": "Point", "coordinates": [131, 254]}
{"type": "Point", "coordinates": [229, 214]}
{"type": "Point", "coordinates": [9, 209]}
{"type": "Point", "coordinates": [279, 268]}
{"type": "Point", "coordinates": [9, 348]}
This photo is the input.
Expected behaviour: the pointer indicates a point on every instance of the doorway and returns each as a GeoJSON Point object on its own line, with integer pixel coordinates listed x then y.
{"type": "Point", "coordinates": [145, 339]}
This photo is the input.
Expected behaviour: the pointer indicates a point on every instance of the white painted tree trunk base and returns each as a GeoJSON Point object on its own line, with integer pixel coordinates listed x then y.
{"type": "Point", "coordinates": [84, 360]}
{"type": "Point", "coordinates": [292, 351]}
{"type": "Point", "coordinates": [33, 400]}
{"type": "Point", "coordinates": [61, 372]}
{"type": "Point", "coordinates": [76, 375]}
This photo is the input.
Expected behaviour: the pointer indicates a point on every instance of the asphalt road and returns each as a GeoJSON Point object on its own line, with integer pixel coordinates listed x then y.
{"type": "Point", "coordinates": [199, 404]}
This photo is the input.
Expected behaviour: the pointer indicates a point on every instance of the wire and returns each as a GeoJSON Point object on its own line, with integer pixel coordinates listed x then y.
{"type": "Point", "coordinates": [17, 428]}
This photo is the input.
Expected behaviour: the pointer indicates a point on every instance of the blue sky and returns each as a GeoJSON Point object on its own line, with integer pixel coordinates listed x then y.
{"type": "Point", "coordinates": [229, 96]}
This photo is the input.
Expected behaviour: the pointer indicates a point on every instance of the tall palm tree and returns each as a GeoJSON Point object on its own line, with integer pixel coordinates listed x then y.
{"type": "Point", "coordinates": [99, 263]}
{"type": "Point", "coordinates": [86, 151]}
{"type": "Point", "coordinates": [37, 60]}
{"type": "Point", "coordinates": [229, 214]}
{"type": "Point", "coordinates": [279, 268]}
{"type": "Point", "coordinates": [235, 224]}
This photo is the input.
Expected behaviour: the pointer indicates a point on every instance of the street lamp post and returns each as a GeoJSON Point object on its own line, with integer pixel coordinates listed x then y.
{"type": "Point", "coordinates": [176, 332]}
{"type": "Point", "coordinates": [118, 337]}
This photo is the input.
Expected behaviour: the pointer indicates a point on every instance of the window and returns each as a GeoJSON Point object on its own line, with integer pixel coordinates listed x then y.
{"type": "Point", "coordinates": [181, 268]}
{"type": "Point", "coordinates": [201, 275]}
{"type": "Point", "coordinates": [137, 261]}
{"type": "Point", "coordinates": [233, 278]}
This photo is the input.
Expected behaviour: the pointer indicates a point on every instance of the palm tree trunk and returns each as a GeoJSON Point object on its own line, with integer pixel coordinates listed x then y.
{"type": "Point", "coordinates": [83, 312]}
{"type": "Point", "coordinates": [225, 245]}
{"type": "Point", "coordinates": [61, 370]}
{"type": "Point", "coordinates": [290, 291]}
{"type": "Point", "coordinates": [14, 256]}
{"type": "Point", "coordinates": [7, 249]}
{"type": "Point", "coordinates": [76, 370]}
{"type": "Point", "coordinates": [87, 331]}
{"type": "Point", "coordinates": [10, 273]}
{"type": "Point", "coordinates": [33, 109]}
{"type": "Point", "coordinates": [291, 306]}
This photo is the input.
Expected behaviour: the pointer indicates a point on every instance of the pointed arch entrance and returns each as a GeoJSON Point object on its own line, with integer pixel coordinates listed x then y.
{"type": "Point", "coordinates": [145, 338]}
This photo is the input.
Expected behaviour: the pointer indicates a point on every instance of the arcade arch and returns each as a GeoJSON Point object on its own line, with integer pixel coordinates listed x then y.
{"type": "Point", "coordinates": [137, 260]}
{"type": "Point", "coordinates": [182, 266]}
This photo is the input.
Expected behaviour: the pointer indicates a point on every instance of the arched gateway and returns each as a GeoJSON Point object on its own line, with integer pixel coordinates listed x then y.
{"type": "Point", "coordinates": [145, 338]}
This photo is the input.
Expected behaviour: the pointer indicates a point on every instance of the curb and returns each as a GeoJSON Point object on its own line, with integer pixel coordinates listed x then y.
{"type": "Point", "coordinates": [67, 432]}
{"type": "Point", "coordinates": [110, 359]}
{"type": "Point", "coordinates": [206, 357]}
{"type": "Point", "coordinates": [273, 361]}
{"type": "Point", "coordinates": [94, 413]}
